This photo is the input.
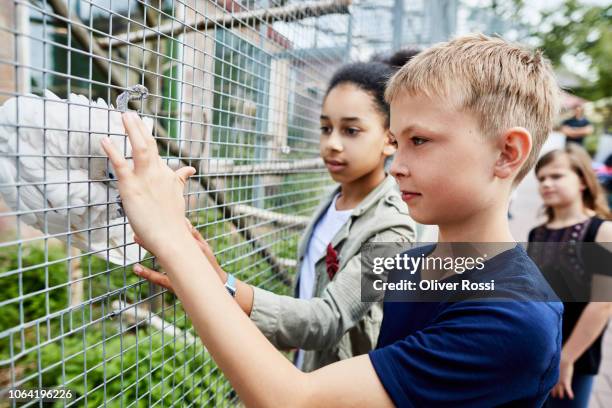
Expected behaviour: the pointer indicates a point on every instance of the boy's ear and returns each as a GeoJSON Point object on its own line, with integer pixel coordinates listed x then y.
{"type": "Point", "coordinates": [515, 146]}
{"type": "Point", "coordinates": [389, 149]}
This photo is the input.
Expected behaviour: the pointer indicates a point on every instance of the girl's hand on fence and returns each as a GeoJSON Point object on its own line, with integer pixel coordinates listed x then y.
{"type": "Point", "coordinates": [206, 249]}
{"type": "Point", "coordinates": [163, 280]}
{"type": "Point", "coordinates": [152, 276]}
{"type": "Point", "coordinates": [151, 192]}
{"type": "Point", "coordinates": [202, 244]}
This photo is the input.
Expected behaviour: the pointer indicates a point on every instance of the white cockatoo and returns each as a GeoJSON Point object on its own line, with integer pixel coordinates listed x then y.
{"type": "Point", "coordinates": [55, 175]}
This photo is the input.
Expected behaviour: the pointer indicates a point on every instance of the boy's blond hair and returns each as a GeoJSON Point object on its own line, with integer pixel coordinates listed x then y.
{"type": "Point", "coordinates": [503, 84]}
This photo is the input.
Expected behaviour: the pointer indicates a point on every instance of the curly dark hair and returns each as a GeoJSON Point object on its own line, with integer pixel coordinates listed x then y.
{"type": "Point", "coordinates": [372, 76]}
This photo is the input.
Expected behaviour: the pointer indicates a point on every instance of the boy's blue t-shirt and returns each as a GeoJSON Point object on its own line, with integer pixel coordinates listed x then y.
{"type": "Point", "coordinates": [474, 353]}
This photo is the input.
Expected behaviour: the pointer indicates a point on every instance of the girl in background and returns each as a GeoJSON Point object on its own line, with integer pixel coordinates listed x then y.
{"type": "Point", "coordinates": [577, 211]}
{"type": "Point", "coordinates": [327, 320]}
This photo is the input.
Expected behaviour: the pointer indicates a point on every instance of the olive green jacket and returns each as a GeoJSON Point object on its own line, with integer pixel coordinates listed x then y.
{"type": "Point", "coordinates": [335, 324]}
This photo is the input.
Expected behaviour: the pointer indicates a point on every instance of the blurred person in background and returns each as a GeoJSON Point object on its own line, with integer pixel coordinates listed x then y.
{"type": "Point", "coordinates": [577, 128]}
{"type": "Point", "coordinates": [577, 212]}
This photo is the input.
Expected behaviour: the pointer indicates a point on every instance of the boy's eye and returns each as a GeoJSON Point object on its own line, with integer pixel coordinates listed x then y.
{"type": "Point", "coordinates": [393, 141]}
{"type": "Point", "coordinates": [417, 141]}
{"type": "Point", "coordinates": [325, 130]}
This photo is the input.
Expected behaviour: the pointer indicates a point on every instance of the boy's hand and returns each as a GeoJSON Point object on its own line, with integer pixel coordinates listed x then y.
{"type": "Point", "coordinates": [151, 193]}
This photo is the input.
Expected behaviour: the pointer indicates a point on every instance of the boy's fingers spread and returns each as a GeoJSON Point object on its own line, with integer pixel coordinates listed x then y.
{"type": "Point", "coordinates": [148, 128]}
{"type": "Point", "coordinates": [144, 130]}
{"type": "Point", "coordinates": [115, 157]}
{"type": "Point", "coordinates": [137, 141]}
{"type": "Point", "coordinates": [147, 134]}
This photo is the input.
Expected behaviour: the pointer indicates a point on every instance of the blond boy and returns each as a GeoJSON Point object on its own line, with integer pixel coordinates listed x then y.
{"type": "Point", "coordinates": [469, 117]}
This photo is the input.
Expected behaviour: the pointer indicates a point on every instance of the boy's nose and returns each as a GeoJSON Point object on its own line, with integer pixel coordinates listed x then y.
{"type": "Point", "coordinates": [397, 169]}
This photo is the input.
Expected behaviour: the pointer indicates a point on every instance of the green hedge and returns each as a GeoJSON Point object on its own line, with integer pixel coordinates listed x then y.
{"type": "Point", "coordinates": [85, 338]}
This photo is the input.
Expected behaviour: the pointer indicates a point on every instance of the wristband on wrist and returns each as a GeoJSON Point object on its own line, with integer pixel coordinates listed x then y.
{"type": "Point", "coordinates": [230, 284]}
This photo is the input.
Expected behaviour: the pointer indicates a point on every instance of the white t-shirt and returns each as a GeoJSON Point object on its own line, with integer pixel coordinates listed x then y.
{"type": "Point", "coordinates": [322, 234]}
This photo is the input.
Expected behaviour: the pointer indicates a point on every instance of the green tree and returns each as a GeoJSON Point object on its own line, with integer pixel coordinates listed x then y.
{"type": "Point", "coordinates": [584, 31]}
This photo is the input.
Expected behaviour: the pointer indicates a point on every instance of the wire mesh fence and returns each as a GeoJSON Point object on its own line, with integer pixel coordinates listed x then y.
{"type": "Point", "coordinates": [233, 89]}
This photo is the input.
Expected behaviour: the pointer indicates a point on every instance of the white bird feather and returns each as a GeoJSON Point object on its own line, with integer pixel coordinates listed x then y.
{"type": "Point", "coordinates": [55, 175]}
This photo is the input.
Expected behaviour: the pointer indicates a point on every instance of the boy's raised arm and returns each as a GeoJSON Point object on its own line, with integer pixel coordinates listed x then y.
{"type": "Point", "coordinates": [260, 374]}
{"type": "Point", "coordinates": [152, 199]}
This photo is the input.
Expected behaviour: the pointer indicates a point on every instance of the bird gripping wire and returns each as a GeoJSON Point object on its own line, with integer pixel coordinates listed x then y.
{"type": "Point", "coordinates": [133, 93]}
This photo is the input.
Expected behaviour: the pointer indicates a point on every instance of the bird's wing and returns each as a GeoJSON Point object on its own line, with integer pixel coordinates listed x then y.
{"type": "Point", "coordinates": [17, 157]}
{"type": "Point", "coordinates": [12, 196]}
{"type": "Point", "coordinates": [50, 165]}
{"type": "Point", "coordinates": [119, 237]}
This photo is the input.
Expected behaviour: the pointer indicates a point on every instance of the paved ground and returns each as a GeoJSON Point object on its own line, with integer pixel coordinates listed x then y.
{"type": "Point", "coordinates": [602, 392]}
{"type": "Point", "coordinates": [524, 209]}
